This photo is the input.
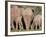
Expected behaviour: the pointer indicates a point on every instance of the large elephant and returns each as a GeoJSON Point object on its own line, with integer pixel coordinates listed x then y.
{"type": "Point", "coordinates": [15, 16]}
{"type": "Point", "coordinates": [28, 17]}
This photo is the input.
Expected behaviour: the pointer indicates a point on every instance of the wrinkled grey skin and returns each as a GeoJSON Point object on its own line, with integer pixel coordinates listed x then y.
{"type": "Point", "coordinates": [28, 17]}
{"type": "Point", "coordinates": [37, 21]}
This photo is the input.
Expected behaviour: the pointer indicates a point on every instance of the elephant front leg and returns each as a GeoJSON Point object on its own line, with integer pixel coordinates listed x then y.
{"type": "Point", "coordinates": [12, 25]}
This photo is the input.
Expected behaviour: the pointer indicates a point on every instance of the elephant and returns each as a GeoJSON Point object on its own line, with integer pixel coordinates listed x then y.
{"type": "Point", "coordinates": [15, 17]}
{"type": "Point", "coordinates": [27, 15]}
{"type": "Point", "coordinates": [37, 22]}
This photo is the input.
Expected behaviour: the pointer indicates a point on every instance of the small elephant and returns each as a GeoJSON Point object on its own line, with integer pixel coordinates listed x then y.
{"type": "Point", "coordinates": [37, 22]}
